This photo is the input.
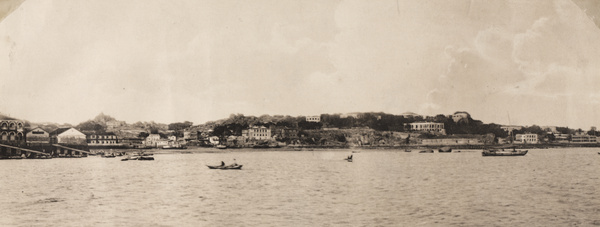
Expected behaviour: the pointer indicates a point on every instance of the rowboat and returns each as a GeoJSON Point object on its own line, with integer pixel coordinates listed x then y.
{"type": "Point", "coordinates": [232, 166]}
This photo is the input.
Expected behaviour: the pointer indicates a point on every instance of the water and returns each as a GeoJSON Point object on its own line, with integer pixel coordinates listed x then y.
{"type": "Point", "coordinates": [551, 187]}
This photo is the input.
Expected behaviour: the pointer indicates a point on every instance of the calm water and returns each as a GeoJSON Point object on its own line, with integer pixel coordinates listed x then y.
{"type": "Point", "coordinates": [553, 187]}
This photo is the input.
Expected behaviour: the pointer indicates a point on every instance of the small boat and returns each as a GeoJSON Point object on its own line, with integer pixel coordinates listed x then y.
{"type": "Point", "coordinates": [223, 167]}
{"type": "Point", "coordinates": [221, 146]}
{"type": "Point", "coordinates": [407, 150]}
{"type": "Point", "coordinates": [130, 158]}
{"type": "Point", "coordinates": [145, 158]}
{"type": "Point", "coordinates": [109, 156]}
{"type": "Point", "coordinates": [445, 150]}
{"type": "Point", "coordinates": [502, 152]}
{"type": "Point", "coordinates": [175, 146]}
{"type": "Point", "coordinates": [426, 151]}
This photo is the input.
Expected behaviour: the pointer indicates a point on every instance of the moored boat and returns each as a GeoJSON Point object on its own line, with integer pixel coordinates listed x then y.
{"type": "Point", "coordinates": [130, 158]}
{"type": "Point", "coordinates": [426, 151]}
{"type": "Point", "coordinates": [175, 146]}
{"type": "Point", "coordinates": [145, 158]}
{"type": "Point", "coordinates": [445, 150]}
{"type": "Point", "coordinates": [502, 152]}
{"type": "Point", "coordinates": [223, 167]}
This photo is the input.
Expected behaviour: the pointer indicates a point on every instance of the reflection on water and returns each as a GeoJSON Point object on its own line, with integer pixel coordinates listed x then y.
{"type": "Point", "coordinates": [553, 187]}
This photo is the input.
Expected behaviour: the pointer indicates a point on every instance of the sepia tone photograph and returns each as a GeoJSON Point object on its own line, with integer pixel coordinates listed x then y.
{"type": "Point", "coordinates": [299, 112]}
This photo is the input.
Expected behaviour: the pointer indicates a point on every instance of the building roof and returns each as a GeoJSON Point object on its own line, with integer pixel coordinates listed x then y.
{"type": "Point", "coordinates": [61, 130]}
{"type": "Point", "coordinates": [27, 130]}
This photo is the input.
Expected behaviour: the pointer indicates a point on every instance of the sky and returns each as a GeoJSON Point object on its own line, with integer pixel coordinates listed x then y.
{"type": "Point", "coordinates": [514, 61]}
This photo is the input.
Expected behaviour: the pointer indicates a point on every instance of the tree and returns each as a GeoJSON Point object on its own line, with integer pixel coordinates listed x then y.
{"type": "Point", "coordinates": [91, 126]}
{"type": "Point", "coordinates": [143, 135]}
{"type": "Point", "coordinates": [179, 126]}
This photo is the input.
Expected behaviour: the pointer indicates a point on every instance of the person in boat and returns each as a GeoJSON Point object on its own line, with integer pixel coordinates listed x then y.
{"type": "Point", "coordinates": [222, 163]}
{"type": "Point", "coordinates": [234, 162]}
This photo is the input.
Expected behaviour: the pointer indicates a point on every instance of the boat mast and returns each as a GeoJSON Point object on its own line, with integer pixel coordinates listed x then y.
{"type": "Point", "coordinates": [510, 129]}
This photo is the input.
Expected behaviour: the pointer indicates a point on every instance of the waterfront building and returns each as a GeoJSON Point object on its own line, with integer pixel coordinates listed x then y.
{"type": "Point", "coordinates": [562, 138]}
{"type": "Point", "coordinates": [526, 138]}
{"type": "Point", "coordinates": [256, 132]}
{"type": "Point", "coordinates": [102, 139]}
{"type": "Point", "coordinates": [459, 115]}
{"type": "Point", "coordinates": [68, 136]}
{"type": "Point", "coordinates": [313, 118]}
{"type": "Point", "coordinates": [427, 127]}
{"type": "Point", "coordinates": [11, 130]}
{"type": "Point", "coordinates": [152, 140]}
{"type": "Point", "coordinates": [164, 142]}
{"type": "Point", "coordinates": [37, 135]}
{"type": "Point", "coordinates": [583, 139]}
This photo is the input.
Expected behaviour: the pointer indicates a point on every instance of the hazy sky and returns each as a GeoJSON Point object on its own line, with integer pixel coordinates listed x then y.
{"type": "Point", "coordinates": [170, 61]}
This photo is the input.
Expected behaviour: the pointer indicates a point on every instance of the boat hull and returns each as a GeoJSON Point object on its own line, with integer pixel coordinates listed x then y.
{"type": "Point", "coordinates": [229, 167]}
{"type": "Point", "coordinates": [445, 150]}
{"type": "Point", "coordinates": [504, 153]}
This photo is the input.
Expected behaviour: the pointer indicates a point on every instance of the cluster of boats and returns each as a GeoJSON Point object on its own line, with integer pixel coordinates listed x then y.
{"type": "Point", "coordinates": [135, 156]}
{"type": "Point", "coordinates": [512, 151]}
{"type": "Point", "coordinates": [441, 150]}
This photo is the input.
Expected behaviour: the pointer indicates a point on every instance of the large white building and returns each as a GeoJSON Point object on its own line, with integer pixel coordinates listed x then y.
{"type": "Point", "coordinates": [256, 132]}
{"type": "Point", "coordinates": [68, 136]}
{"type": "Point", "coordinates": [583, 139]}
{"type": "Point", "coordinates": [428, 127]}
{"type": "Point", "coordinates": [526, 138]}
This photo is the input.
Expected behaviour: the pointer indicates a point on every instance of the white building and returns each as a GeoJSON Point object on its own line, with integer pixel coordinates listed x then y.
{"type": "Point", "coordinates": [583, 139]}
{"type": "Point", "coordinates": [68, 136]}
{"type": "Point", "coordinates": [152, 140]}
{"type": "Point", "coordinates": [428, 127]}
{"type": "Point", "coordinates": [313, 118]}
{"type": "Point", "coordinates": [526, 138]}
{"type": "Point", "coordinates": [255, 132]}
